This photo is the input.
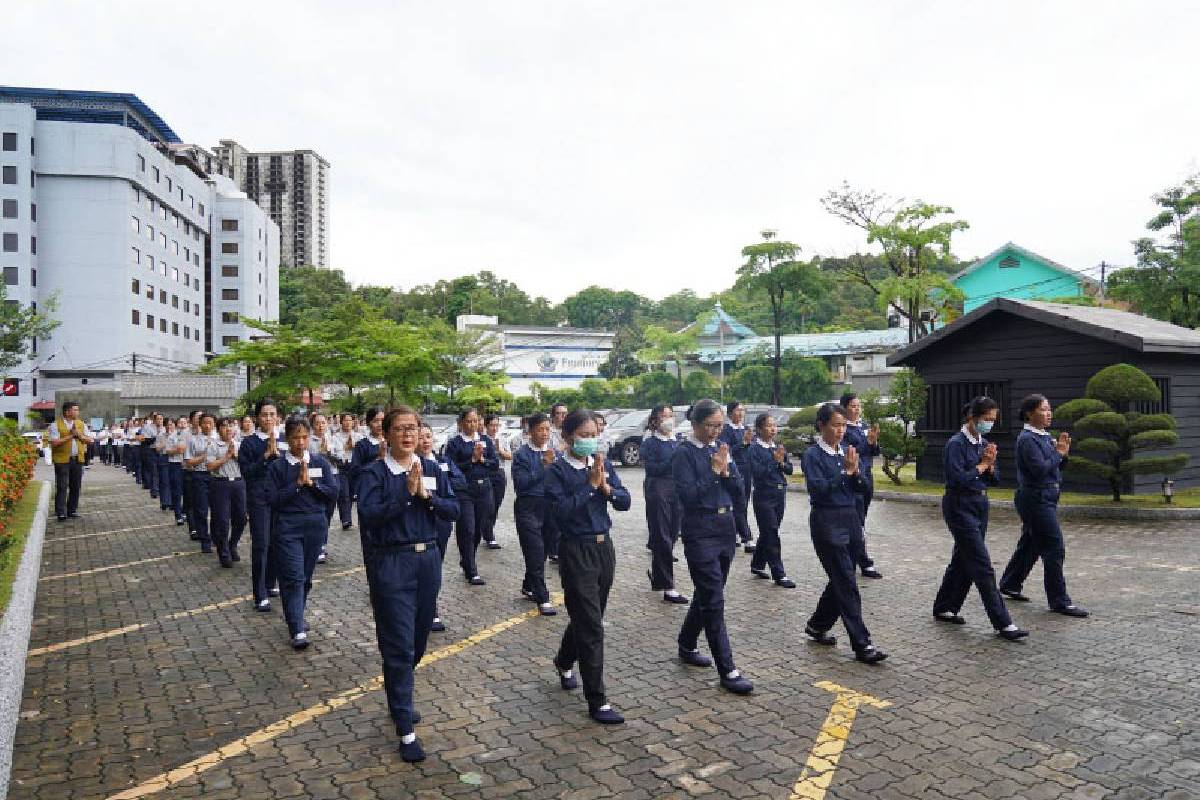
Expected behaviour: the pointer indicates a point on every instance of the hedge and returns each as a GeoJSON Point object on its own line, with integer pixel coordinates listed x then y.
{"type": "Point", "coordinates": [17, 459]}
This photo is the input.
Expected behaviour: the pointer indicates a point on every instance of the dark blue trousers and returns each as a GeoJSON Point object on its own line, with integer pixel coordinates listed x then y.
{"type": "Point", "coordinates": [200, 507]}
{"type": "Point", "coordinates": [296, 543]}
{"type": "Point", "coordinates": [970, 563]}
{"type": "Point", "coordinates": [530, 514]}
{"type": "Point", "coordinates": [344, 499]}
{"type": "Point", "coordinates": [858, 543]}
{"type": "Point", "coordinates": [587, 568]}
{"type": "Point", "coordinates": [832, 532]}
{"type": "Point", "coordinates": [741, 507]}
{"type": "Point", "coordinates": [163, 466]}
{"type": "Point", "coordinates": [1041, 537]}
{"type": "Point", "coordinates": [404, 588]}
{"type": "Point", "coordinates": [499, 486]}
{"type": "Point", "coordinates": [149, 468]}
{"type": "Point", "coordinates": [262, 565]}
{"type": "Point", "coordinates": [187, 498]}
{"type": "Point", "coordinates": [474, 508]}
{"type": "Point", "coordinates": [443, 542]}
{"type": "Point", "coordinates": [175, 480]}
{"type": "Point", "coordinates": [663, 516]}
{"type": "Point", "coordinates": [709, 542]}
{"type": "Point", "coordinates": [228, 502]}
{"type": "Point", "coordinates": [768, 512]}
{"type": "Point", "coordinates": [133, 461]}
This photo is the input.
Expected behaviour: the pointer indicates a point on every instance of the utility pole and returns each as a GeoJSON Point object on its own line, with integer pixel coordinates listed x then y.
{"type": "Point", "coordinates": [721, 346]}
{"type": "Point", "coordinates": [1103, 276]}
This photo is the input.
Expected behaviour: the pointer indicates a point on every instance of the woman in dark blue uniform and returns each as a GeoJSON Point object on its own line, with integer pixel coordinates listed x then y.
{"type": "Point", "coordinates": [832, 477]}
{"type": "Point", "coordinates": [663, 513]}
{"type": "Point", "coordinates": [298, 488]}
{"type": "Point", "coordinates": [445, 525]}
{"type": "Point", "coordinates": [770, 468]}
{"type": "Point", "coordinates": [709, 486]}
{"type": "Point", "coordinates": [866, 441]}
{"type": "Point", "coordinates": [491, 424]}
{"type": "Point", "coordinates": [580, 487]}
{"type": "Point", "coordinates": [530, 463]}
{"type": "Point", "coordinates": [366, 452]}
{"type": "Point", "coordinates": [475, 456]}
{"type": "Point", "coordinates": [969, 464]}
{"type": "Point", "coordinates": [255, 455]}
{"type": "Point", "coordinates": [401, 497]}
{"type": "Point", "coordinates": [737, 436]}
{"type": "Point", "coordinates": [1040, 459]}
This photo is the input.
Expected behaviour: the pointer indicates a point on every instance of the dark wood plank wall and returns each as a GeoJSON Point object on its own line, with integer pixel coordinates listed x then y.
{"type": "Point", "coordinates": [1033, 357]}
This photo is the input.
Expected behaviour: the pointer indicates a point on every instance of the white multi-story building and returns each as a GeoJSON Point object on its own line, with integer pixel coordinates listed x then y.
{"type": "Point", "coordinates": [105, 210]}
{"type": "Point", "coordinates": [292, 186]}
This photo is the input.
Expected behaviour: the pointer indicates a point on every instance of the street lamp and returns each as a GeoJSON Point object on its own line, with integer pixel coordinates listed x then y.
{"type": "Point", "coordinates": [1168, 489]}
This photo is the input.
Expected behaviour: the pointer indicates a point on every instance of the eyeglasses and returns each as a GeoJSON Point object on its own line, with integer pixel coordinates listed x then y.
{"type": "Point", "coordinates": [712, 426]}
{"type": "Point", "coordinates": [405, 428]}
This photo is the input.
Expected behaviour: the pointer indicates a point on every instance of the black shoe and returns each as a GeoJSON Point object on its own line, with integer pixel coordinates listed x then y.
{"type": "Point", "coordinates": [300, 640]}
{"type": "Point", "coordinates": [233, 554]}
{"type": "Point", "coordinates": [1071, 611]}
{"type": "Point", "coordinates": [438, 626]}
{"type": "Point", "coordinates": [1012, 636]}
{"type": "Point", "coordinates": [786, 583]}
{"type": "Point", "coordinates": [675, 559]}
{"type": "Point", "coordinates": [694, 658]}
{"type": "Point", "coordinates": [1017, 596]}
{"type": "Point", "coordinates": [870, 654]}
{"type": "Point", "coordinates": [748, 548]}
{"type": "Point", "coordinates": [415, 716]}
{"type": "Point", "coordinates": [73, 514]}
{"type": "Point", "coordinates": [62, 518]}
{"type": "Point", "coordinates": [195, 537]}
{"type": "Point", "coordinates": [347, 526]}
{"type": "Point", "coordinates": [953, 619]}
{"type": "Point", "coordinates": [180, 520]}
{"type": "Point", "coordinates": [528, 595]}
{"type": "Point", "coordinates": [566, 683]}
{"type": "Point", "coordinates": [678, 599]}
{"type": "Point", "coordinates": [820, 637]}
{"type": "Point", "coordinates": [226, 562]}
{"type": "Point", "coordinates": [607, 716]}
{"type": "Point", "coordinates": [273, 592]}
{"type": "Point", "coordinates": [871, 572]}
{"type": "Point", "coordinates": [760, 573]}
{"type": "Point", "coordinates": [204, 548]}
{"type": "Point", "coordinates": [494, 545]}
{"type": "Point", "coordinates": [263, 606]}
{"type": "Point", "coordinates": [738, 685]}
{"type": "Point", "coordinates": [475, 580]}
{"type": "Point", "coordinates": [547, 610]}
{"type": "Point", "coordinates": [412, 752]}
{"type": "Point", "coordinates": [553, 559]}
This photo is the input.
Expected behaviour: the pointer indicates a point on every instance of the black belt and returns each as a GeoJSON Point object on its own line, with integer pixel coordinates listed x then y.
{"type": "Point", "coordinates": [589, 538]}
{"type": "Point", "coordinates": [698, 511]}
{"type": "Point", "coordinates": [223, 478]}
{"type": "Point", "coordinates": [412, 547]}
{"type": "Point", "coordinates": [1042, 486]}
{"type": "Point", "coordinates": [966, 492]}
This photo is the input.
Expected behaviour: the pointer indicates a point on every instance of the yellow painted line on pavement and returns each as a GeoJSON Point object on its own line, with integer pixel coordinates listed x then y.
{"type": "Point", "coordinates": [822, 762]}
{"type": "Point", "coordinates": [106, 533]}
{"type": "Point", "coordinates": [95, 570]}
{"type": "Point", "coordinates": [240, 746]}
{"type": "Point", "coordinates": [102, 635]}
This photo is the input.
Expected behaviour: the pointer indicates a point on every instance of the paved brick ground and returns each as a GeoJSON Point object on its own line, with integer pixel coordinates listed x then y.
{"type": "Point", "coordinates": [1101, 708]}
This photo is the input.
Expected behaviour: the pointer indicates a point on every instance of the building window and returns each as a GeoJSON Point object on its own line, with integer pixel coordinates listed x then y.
{"type": "Point", "coordinates": [191, 201]}
{"type": "Point", "coordinates": [174, 328]}
{"type": "Point", "coordinates": [162, 324]}
{"type": "Point", "coordinates": [150, 321]}
{"type": "Point", "coordinates": [10, 142]}
{"type": "Point", "coordinates": [187, 332]}
{"type": "Point", "coordinates": [187, 255]}
{"type": "Point", "coordinates": [201, 209]}
{"type": "Point", "coordinates": [149, 291]}
{"type": "Point", "coordinates": [196, 260]}
{"type": "Point", "coordinates": [10, 275]}
{"type": "Point", "coordinates": [174, 301]}
{"type": "Point", "coordinates": [196, 309]}
{"type": "Point", "coordinates": [229, 317]}
{"type": "Point", "coordinates": [137, 255]}
{"type": "Point", "coordinates": [150, 262]}
{"type": "Point", "coordinates": [229, 224]}
{"type": "Point", "coordinates": [229, 272]}
{"type": "Point", "coordinates": [9, 175]}
{"type": "Point", "coordinates": [10, 242]}
{"type": "Point", "coordinates": [136, 317]}
{"type": "Point", "coordinates": [135, 224]}
{"type": "Point", "coordinates": [187, 280]}
{"type": "Point", "coordinates": [187, 305]}
{"type": "Point", "coordinates": [196, 334]}
{"type": "Point", "coordinates": [260, 299]}
{"type": "Point", "coordinates": [229, 247]}
{"type": "Point", "coordinates": [170, 185]}
{"type": "Point", "coordinates": [229, 294]}
{"type": "Point", "coordinates": [175, 245]}
{"type": "Point", "coordinates": [228, 340]}
{"type": "Point", "coordinates": [162, 239]}
{"type": "Point", "coordinates": [10, 209]}
{"type": "Point", "coordinates": [33, 277]}
{"type": "Point", "coordinates": [33, 211]}
{"type": "Point", "coordinates": [196, 284]}
{"type": "Point", "coordinates": [150, 232]}
{"type": "Point", "coordinates": [1163, 406]}
{"type": "Point", "coordinates": [945, 401]}
{"type": "Point", "coordinates": [162, 296]}
{"type": "Point", "coordinates": [141, 163]}
{"type": "Point", "coordinates": [33, 245]}
{"type": "Point", "coordinates": [154, 172]}
{"type": "Point", "coordinates": [136, 285]}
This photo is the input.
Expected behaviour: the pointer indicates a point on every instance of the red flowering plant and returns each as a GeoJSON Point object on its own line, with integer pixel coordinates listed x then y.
{"type": "Point", "coordinates": [17, 459]}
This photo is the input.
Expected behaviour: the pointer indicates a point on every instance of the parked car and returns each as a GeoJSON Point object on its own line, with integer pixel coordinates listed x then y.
{"type": "Point", "coordinates": [624, 434]}
{"type": "Point", "coordinates": [38, 441]}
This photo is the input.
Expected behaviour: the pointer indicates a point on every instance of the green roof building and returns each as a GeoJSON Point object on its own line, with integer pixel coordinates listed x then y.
{"type": "Point", "coordinates": [1013, 272]}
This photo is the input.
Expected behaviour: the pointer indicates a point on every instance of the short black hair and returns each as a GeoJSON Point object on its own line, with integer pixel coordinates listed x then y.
{"type": "Point", "coordinates": [555, 406]}
{"type": "Point", "coordinates": [732, 406]}
{"type": "Point", "coordinates": [263, 403]}
{"type": "Point", "coordinates": [374, 411]}
{"type": "Point", "coordinates": [204, 414]}
{"type": "Point", "coordinates": [847, 399]}
{"type": "Point", "coordinates": [399, 411]}
{"type": "Point", "coordinates": [979, 406]}
{"type": "Point", "coordinates": [576, 418]}
{"type": "Point", "coordinates": [466, 412]}
{"type": "Point", "coordinates": [488, 417]}
{"type": "Point", "coordinates": [654, 412]}
{"type": "Point", "coordinates": [294, 422]}
{"type": "Point", "coordinates": [67, 406]}
{"type": "Point", "coordinates": [535, 419]}
{"type": "Point", "coordinates": [1030, 404]}
{"type": "Point", "coordinates": [825, 414]}
{"type": "Point", "coordinates": [703, 409]}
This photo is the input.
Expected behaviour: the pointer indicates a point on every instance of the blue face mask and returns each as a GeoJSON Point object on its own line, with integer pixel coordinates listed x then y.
{"type": "Point", "coordinates": [984, 427]}
{"type": "Point", "coordinates": [584, 447]}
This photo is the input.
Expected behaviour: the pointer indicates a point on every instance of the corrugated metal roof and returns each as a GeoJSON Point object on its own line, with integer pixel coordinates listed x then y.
{"type": "Point", "coordinates": [813, 344]}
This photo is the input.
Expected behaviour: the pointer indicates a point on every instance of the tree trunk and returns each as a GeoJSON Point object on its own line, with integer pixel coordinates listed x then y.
{"type": "Point", "coordinates": [776, 313]}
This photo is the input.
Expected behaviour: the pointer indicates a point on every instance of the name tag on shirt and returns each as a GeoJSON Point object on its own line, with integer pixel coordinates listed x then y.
{"type": "Point", "coordinates": [444, 467]}
{"type": "Point", "coordinates": [314, 472]}
{"type": "Point", "coordinates": [430, 483]}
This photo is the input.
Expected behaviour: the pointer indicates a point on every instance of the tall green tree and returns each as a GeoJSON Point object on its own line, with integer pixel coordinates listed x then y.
{"type": "Point", "coordinates": [1166, 282]}
{"type": "Point", "coordinates": [622, 361]}
{"type": "Point", "coordinates": [19, 326]}
{"type": "Point", "coordinates": [305, 292]}
{"type": "Point", "coordinates": [1112, 433]}
{"type": "Point", "coordinates": [598, 307]}
{"type": "Point", "coordinates": [772, 272]}
{"type": "Point", "coordinates": [286, 362]}
{"type": "Point", "coordinates": [916, 243]}
{"type": "Point", "coordinates": [664, 346]}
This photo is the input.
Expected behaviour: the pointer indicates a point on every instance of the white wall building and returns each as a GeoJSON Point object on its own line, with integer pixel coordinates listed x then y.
{"type": "Point", "coordinates": [557, 358]}
{"type": "Point", "coordinates": [102, 207]}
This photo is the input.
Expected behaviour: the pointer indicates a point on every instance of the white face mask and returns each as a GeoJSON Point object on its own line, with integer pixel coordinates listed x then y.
{"type": "Point", "coordinates": [667, 425]}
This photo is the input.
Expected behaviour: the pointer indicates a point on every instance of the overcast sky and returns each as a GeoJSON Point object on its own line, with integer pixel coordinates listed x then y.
{"type": "Point", "coordinates": [641, 145]}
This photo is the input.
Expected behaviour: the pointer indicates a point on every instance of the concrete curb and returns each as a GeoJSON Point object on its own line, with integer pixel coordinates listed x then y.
{"type": "Point", "coordinates": [14, 634]}
{"type": "Point", "coordinates": [1078, 512]}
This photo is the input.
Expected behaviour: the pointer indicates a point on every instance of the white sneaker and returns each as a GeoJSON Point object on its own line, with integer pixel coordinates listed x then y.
{"type": "Point", "coordinates": [300, 640]}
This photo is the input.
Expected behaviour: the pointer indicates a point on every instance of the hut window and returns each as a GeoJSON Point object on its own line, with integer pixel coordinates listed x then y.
{"type": "Point", "coordinates": [1163, 406]}
{"type": "Point", "coordinates": [944, 404]}
{"type": "Point", "coordinates": [1008, 262]}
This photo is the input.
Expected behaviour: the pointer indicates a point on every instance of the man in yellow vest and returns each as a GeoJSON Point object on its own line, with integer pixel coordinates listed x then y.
{"type": "Point", "coordinates": [68, 449]}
